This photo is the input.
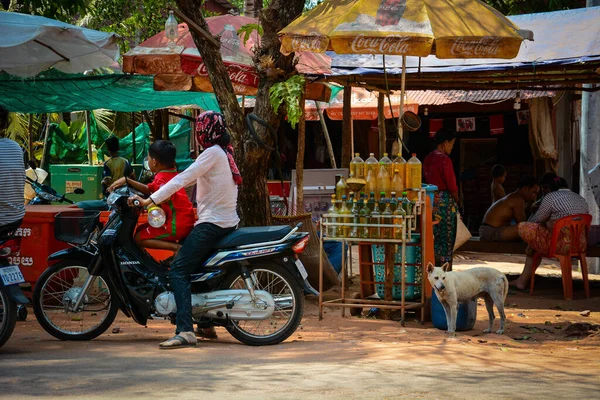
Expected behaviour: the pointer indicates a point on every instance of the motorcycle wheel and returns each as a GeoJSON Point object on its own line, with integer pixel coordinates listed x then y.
{"type": "Point", "coordinates": [60, 284]}
{"type": "Point", "coordinates": [289, 305]}
{"type": "Point", "coordinates": [8, 316]}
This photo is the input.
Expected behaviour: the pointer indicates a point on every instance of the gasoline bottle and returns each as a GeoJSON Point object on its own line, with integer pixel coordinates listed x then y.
{"type": "Point", "coordinates": [375, 223]}
{"type": "Point", "coordinates": [397, 184]}
{"type": "Point", "coordinates": [399, 164]}
{"type": "Point", "coordinates": [372, 201]}
{"type": "Point", "coordinates": [371, 179]}
{"type": "Point", "coordinates": [357, 167]}
{"type": "Point", "coordinates": [371, 164]}
{"type": "Point", "coordinates": [387, 218]}
{"type": "Point", "coordinates": [413, 173]}
{"type": "Point", "coordinates": [384, 182]}
{"type": "Point", "coordinates": [364, 218]}
{"type": "Point", "coordinates": [355, 219]}
{"type": "Point", "coordinates": [345, 218]}
{"type": "Point", "coordinates": [393, 202]}
{"type": "Point", "coordinates": [387, 163]}
{"type": "Point", "coordinates": [341, 187]}
{"type": "Point", "coordinates": [332, 229]}
{"type": "Point", "coordinates": [398, 218]}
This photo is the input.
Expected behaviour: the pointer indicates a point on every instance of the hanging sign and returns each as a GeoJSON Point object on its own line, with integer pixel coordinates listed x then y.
{"type": "Point", "coordinates": [496, 124]}
{"type": "Point", "coordinates": [465, 124]}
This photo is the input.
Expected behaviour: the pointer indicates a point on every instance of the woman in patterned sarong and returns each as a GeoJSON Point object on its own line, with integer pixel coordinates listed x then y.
{"type": "Point", "coordinates": [439, 171]}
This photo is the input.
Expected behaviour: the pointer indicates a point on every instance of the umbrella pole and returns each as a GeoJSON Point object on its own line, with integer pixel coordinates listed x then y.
{"type": "Point", "coordinates": [88, 122]}
{"type": "Point", "coordinates": [326, 134]}
{"type": "Point", "coordinates": [402, 91]}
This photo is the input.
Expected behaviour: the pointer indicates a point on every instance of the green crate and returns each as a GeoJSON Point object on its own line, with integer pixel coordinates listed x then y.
{"type": "Point", "coordinates": [65, 178]}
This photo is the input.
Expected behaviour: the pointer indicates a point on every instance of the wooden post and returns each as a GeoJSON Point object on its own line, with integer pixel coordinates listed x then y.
{"type": "Point", "coordinates": [347, 128]}
{"type": "Point", "coordinates": [326, 134]}
{"type": "Point", "coordinates": [165, 123]}
{"type": "Point", "coordinates": [381, 123]}
{"type": "Point", "coordinates": [300, 157]}
{"type": "Point", "coordinates": [88, 123]}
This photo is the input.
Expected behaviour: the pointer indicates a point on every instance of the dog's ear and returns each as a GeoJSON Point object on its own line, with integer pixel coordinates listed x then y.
{"type": "Point", "coordinates": [446, 267]}
{"type": "Point", "coordinates": [430, 268]}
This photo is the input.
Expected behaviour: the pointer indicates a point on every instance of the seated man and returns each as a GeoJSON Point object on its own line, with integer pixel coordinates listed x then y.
{"type": "Point", "coordinates": [498, 178]}
{"type": "Point", "coordinates": [500, 221]}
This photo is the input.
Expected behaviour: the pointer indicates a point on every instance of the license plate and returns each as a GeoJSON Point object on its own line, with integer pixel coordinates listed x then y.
{"type": "Point", "coordinates": [301, 269]}
{"type": "Point", "coordinates": [11, 275]}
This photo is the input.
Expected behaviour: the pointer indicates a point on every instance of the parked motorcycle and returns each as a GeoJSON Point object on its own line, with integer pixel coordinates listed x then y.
{"type": "Point", "coordinates": [11, 295]}
{"type": "Point", "coordinates": [252, 284]}
{"type": "Point", "coordinates": [45, 195]}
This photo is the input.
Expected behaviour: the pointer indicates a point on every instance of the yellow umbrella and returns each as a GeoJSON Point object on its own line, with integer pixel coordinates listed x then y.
{"type": "Point", "coordinates": [446, 28]}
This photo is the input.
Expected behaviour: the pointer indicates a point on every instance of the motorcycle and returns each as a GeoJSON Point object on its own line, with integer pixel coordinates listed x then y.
{"type": "Point", "coordinates": [44, 194]}
{"type": "Point", "coordinates": [253, 284]}
{"type": "Point", "coordinates": [11, 295]}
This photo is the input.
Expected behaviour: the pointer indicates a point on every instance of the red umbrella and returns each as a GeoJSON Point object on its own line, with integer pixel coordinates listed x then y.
{"type": "Point", "coordinates": [153, 56]}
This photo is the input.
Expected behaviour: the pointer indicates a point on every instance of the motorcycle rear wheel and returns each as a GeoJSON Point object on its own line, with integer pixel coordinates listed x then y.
{"type": "Point", "coordinates": [8, 316]}
{"type": "Point", "coordinates": [62, 282]}
{"type": "Point", "coordinates": [289, 305]}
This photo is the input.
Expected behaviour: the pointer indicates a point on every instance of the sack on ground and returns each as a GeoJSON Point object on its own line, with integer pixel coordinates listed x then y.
{"type": "Point", "coordinates": [462, 233]}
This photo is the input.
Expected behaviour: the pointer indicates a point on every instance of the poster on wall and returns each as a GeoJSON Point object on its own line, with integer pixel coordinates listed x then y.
{"type": "Point", "coordinates": [465, 124]}
{"type": "Point", "coordinates": [523, 117]}
{"type": "Point", "coordinates": [434, 126]}
{"type": "Point", "coordinates": [496, 124]}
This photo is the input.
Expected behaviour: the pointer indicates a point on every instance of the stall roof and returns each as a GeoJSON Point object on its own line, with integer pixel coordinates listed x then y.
{"type": "Point", "coordinates": [56, 92]}
{"type": "Point", "coordinates": [564, 41]}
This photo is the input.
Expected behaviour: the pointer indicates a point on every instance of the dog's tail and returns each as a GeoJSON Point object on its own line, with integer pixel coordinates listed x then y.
{"type": "Point", "coordinates": [506, 286]}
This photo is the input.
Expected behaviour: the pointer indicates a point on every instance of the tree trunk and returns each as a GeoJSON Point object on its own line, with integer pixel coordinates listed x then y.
{"type": "Point", "coordinates": [300, 158]}
{"type": "Point", "coordinates": [347, 128]}
{"type": "Point", "coordinates": [252, 8]}
{"type": "Point", "coordinates": [253, 161]}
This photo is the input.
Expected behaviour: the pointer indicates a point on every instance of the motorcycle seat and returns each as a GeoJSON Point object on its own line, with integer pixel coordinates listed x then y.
{"type": "Point", "coordinates": [244, 236]}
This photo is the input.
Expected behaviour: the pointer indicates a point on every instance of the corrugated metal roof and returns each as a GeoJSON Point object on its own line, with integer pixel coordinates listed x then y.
{"type": "Point", "coordinates": [441, 97]}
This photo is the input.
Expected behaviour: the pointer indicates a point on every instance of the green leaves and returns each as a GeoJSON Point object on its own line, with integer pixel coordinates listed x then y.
{"type": "Point", "coordinates": [288, 92]}
{"type": "Point", "coordinates": [248, 29]}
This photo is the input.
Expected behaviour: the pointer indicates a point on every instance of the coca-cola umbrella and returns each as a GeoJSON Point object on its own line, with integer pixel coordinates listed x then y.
{"type": "Point", "coordinates": [155, 57]}
{"type": "Point", "coordinates": [446, 28]}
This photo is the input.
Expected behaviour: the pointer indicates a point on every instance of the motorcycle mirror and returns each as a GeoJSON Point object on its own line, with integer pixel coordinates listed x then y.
{"type": "Point", "coordinates": [146, 166]}
{"type": "Point", "coordinates": [79, 191]}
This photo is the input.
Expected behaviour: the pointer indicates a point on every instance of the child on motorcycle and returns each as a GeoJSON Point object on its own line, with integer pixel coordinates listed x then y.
{"type": "Point", "coordinates": [178, 208]}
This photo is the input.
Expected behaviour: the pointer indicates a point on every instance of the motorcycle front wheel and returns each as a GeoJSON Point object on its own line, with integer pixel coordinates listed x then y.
{"type": "Point", "coordinates": [289, 305]}
{"type": "Point", "coordinates": [8, 316]}
{"type": "Point", "coordinates": [57, 290]}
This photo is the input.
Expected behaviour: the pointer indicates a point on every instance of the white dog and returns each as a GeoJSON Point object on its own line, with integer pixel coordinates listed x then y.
{"type": "Point", "coordinates": [453, 288]}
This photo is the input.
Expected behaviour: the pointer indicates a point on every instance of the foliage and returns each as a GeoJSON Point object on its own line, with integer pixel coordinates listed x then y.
{"type": "Point", "coordinates": [247, 30]}
{"type": "Point", "coordinates": [289, 92]}
{"type": "Point", "coordinates": [512, 7]}
{"type": "Point", "coordinates": [63, 10]}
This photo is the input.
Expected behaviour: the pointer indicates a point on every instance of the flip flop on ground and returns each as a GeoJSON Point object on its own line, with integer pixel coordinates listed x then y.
{"type": "Point", "coordinates": [184, 339]}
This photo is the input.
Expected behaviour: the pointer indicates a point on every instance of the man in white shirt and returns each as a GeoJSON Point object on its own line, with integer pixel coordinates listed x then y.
{"type": "Point", "coordinates": [12, 180]}
{"type": "Point", "coordinates": [216, 177]}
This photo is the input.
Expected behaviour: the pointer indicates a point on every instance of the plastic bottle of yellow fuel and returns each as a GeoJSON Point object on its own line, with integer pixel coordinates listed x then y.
{"type": "Point", "coordinates": [413, 177]}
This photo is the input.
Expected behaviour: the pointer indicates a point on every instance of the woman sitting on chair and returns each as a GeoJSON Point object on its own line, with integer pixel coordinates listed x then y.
{"type": "Point", "coordinates": [537, 232]}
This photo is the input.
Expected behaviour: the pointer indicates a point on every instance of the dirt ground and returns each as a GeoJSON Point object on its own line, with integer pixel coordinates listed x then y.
{"type": "Point", "coordinates": [541, 355]}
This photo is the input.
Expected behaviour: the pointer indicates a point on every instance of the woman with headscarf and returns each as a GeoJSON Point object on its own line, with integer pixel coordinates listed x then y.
{"type": "Point", "coordinates": [438, 171]}
{"type": "Point", "coordinates": [216, 177]}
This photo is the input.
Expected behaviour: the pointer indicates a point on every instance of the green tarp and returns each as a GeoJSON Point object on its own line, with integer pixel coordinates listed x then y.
{"type": "Point", "coordinates": [54, 92]}
{"type": "Point", "coordinates": [68, 144]}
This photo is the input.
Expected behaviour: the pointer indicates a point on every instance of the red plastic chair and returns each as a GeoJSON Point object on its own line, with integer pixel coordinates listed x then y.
{"type": "Point", "coordinates": [576, 223]}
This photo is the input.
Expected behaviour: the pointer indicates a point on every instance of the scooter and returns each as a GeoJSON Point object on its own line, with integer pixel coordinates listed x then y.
{"type": "Point", "coordinates": [45, 195]}
{"type": "Point", "coordinates": [252, 284]}
{"type": "Point", "coordinates": [11, 296]}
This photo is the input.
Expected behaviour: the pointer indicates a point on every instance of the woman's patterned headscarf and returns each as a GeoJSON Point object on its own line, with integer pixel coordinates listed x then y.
{"type": "Point", "coordinates": [210, 127]}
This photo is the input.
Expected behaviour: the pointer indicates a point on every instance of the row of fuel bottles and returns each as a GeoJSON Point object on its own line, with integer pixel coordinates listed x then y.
{"type": "Point", "coordinates": [384, 175]}
{"type": "Point", "coordinates": [376, 217]}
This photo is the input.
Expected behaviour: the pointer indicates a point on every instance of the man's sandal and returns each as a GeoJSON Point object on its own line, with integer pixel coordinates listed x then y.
{"type": "Point", "coordinates": [176, 342]}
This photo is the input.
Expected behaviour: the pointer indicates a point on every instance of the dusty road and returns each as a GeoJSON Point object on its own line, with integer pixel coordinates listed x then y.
{"type": "Point", "coordinates": [351, 358]}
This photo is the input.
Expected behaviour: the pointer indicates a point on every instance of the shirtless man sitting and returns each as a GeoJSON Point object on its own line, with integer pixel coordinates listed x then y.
{"type": "Point", "coordinates": [498, 221]}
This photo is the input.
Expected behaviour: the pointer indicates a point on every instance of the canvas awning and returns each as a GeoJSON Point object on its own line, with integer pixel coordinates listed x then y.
{"type": "Point", "coordinates": [565, 53]}
{"type": "Point", "coordinates": [53, 91]}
